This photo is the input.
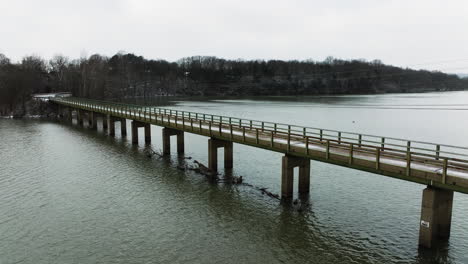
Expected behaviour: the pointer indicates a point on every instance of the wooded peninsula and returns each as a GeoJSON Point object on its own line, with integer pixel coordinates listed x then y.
{"type": "Point", "coordinates": [129, 76]}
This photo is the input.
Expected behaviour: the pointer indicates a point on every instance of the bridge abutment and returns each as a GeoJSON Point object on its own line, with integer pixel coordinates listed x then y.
{"type": "Point", "coordinates": [436, 216]}
{"type": "Point", "coordinates": [135, 126]}
{"type": "Point", "coordinates": [213, 145]}
{"type": "Point", "coordinates": [287, 175]}
{"type": "Point", "coordinates": [166, 134]}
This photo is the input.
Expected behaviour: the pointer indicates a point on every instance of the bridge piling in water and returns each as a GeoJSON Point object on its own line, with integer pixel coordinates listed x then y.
{"type": "Point", "coordinates": [69, 114]}
{"type": "Point", "coordinates": [104, 123]}
{"type": "Point", "coordinates": [79, 117]}
{"type": "Point", "coordinates": [111, 125]}
{"type": "Point", "coordinates": [123, 126]}
{"type": "Point", "coordinates": [166, 134]}
{"type": "Point", "coordinates": [134, 132]}
{"type": "Point", "coordinates": [135, 126]}
{"type": "Point", "coordinates": [287, 175]}
{"type": "Point", "coordinates": [147, 133]}
{"type": "Point", "coordinates": [111, 120]}
{"type": "Point", "coordinates": [61, 110]}
{"type": "Point", "coordinates": [92, 122]}
{"type": "Point", "coordinates": [64, 113]}
{"type": "Point", "coordinates": [436, 216]}
{"type": "Point", "coordinates": [213, 145]}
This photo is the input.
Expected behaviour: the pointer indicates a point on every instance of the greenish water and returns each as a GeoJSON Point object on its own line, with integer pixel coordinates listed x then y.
{"type": "Point", "coordinates": [72, 195]}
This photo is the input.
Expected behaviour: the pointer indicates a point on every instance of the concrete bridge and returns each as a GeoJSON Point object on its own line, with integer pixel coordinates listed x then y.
{"type": "Point", "coordinates": [442, 168]}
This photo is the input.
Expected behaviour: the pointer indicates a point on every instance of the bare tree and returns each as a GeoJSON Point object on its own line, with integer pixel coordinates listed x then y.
{"type": "Point", "coordinates": [59, 65]}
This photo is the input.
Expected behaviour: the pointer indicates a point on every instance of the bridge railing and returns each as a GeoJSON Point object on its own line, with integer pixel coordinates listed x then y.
{"type": "Point", "coordinates": [408, 150]}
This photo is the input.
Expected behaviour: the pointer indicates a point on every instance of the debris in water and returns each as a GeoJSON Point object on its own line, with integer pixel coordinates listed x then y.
{"type": "Point", "coordinates": [205, 170]}
{"type": "Point", "coordinates": [151, 152]}
{"type": "Point", "coordinates": [264, 191]}
{"type": "Point", "coordinates": [198, 167]}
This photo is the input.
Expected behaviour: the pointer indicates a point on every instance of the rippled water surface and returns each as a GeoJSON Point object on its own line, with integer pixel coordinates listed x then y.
{"type": "Point", "coordinates": [73, 195]}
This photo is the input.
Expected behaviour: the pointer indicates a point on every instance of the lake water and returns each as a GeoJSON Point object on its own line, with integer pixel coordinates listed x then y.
{"type": "Point", "coordinates": [73, 195]}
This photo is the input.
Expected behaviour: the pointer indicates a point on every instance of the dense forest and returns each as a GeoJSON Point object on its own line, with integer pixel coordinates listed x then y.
{"type": "Point", "coordinates": [128, 75]}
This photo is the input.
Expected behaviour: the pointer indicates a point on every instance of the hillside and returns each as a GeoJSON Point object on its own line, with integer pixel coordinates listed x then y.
{"type": "Point", "coordinates": [128, 75]}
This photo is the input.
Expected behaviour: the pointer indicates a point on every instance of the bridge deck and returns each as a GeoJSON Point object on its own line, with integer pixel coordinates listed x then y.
{"type": "Point", "coordinates": [415, 161]}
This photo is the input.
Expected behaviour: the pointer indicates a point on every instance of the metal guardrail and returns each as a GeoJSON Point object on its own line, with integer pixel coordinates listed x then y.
{"type": "Point", "coordinates": [445, 156]}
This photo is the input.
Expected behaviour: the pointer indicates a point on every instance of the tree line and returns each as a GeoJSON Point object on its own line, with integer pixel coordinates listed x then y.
{"type": "Point", "coordinates": [129, 76]}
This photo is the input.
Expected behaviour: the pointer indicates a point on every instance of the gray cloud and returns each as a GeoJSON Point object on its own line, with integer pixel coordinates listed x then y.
{"type": "Point", "coordinates": [399, 32]}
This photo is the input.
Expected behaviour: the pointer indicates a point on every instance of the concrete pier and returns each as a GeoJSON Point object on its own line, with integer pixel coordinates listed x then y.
{"type": "Point", "coordinates": [92, 120]}
{"type": "Point", "coordinates": [213, 145]}
{"type": "Point", "coordinates": [104, 123]}
{"type": "Point", "coordinates": [135, 126]}
{"type": "Point", "coordinates": [287, 175]}
{"type": "Point", "coordinates": [436, 216]}
{"type": "Point", "coordinates": [61, 112]}
{"type": "Point", "coordinates": [79, 117]}
{"type": "Point", "coordinates": [147, 133]}
{"type": "Point", "coordinates": [111, 125]}
{"type": "Point", "coordinates": [95, 125]}
{"type": "Point", "coordinates": [69, 114]}
{"type": "Point", "coordinates": [166, 134]}
{"type": "Point", "coordinates": [123, 126]}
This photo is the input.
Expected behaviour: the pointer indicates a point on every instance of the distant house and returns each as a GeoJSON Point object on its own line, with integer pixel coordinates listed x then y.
{"type": "Point", "coordinates": [46, 96]}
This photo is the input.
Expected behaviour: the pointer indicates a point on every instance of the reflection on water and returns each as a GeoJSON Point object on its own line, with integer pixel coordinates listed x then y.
{"type": "Point", "coordinates": [68, 194]}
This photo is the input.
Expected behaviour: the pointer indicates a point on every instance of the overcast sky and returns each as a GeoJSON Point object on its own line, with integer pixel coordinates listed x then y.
{"type": "Point", "coordinates": [416, 33]}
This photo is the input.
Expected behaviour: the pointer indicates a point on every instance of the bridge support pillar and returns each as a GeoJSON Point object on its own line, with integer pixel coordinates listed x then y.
{"type": "Point", "coordinates": [111, 125]}
{"type": "Point", "coordinates": [79, 117]}
{"type": "Point", "coordinates": [436, 216]}
{"type": "Point", "coordinates": [147, 133]}
{"type": "Point", "coordinates": [91, 122]}
{"type": "Point", "coordinates": [104, 123]}
{"type": "Point", "coordinates": [69, 114]}
{"type": "Point", "coordinates": [213, 145]}
{"type": "Point", "coordinates": [135, 126]}
{"type": "Point", "coordinates": [61, 112]}
{"type": "Point", "coordinates": [134, 132]}
{"type": "Point", "coordinates": [123, 127]}
{"type": "Point", "coordinates": [167, 133]}
{"type": "Point", "coordinates": [287, 175]}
